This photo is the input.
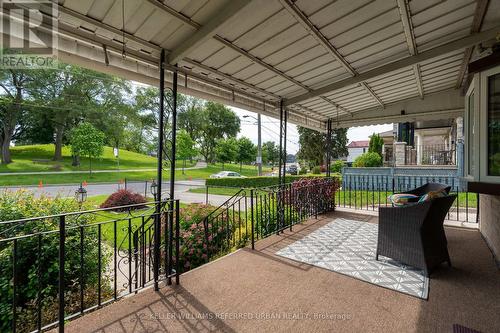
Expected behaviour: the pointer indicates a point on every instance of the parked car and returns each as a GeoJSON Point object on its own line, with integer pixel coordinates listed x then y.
{"type": "Point", "coordinates": [227, 174]}
{"type": "Point", "coordinates": [292, 169]}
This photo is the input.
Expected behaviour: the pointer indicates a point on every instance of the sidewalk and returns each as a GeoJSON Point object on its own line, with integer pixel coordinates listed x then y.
{"type": "Point", "coordinates": [199, 165]}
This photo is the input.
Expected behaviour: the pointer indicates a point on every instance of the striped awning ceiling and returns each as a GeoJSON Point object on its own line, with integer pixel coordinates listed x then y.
{"type": "Point", "coordinates": [356, 61]}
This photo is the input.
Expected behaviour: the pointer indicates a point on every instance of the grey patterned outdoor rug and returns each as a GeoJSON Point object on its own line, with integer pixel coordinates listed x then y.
{"type": "Point", "coordinates": [348, 247]}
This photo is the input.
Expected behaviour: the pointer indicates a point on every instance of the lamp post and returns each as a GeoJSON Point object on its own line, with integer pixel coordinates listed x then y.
{"type": "Point", "coordinates": [81, 195]}
{"type": "Point", "coordinates": [154, 189]}
{"type": "Point", "coordinates": [259, 142]}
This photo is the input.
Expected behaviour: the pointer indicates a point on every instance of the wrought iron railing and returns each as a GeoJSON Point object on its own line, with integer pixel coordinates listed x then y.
{"type": "Point", "coordinates": [62, 266]}
{"type": "Point", "coordinates": [438, 154]}
{"type": "Point", "coordinates": [370, 191]}
{"type": "Point", "coordinates": [110, 253]}
{"type": "Point", "coordinates": [252, 214]}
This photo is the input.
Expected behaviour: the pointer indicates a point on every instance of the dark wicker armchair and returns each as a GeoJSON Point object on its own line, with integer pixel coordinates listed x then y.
{"type": "Point", "coordinates": [426, 188]}
{"type": "Point", "coordinates": [414, 234]}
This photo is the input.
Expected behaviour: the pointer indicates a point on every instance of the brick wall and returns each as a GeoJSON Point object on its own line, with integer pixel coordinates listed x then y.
{"type": "Point", "coordinates": [489, 222]}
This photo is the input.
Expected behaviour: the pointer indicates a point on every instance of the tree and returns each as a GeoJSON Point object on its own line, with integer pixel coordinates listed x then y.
{"type": "Point", "coordinates": [247, 151]}
{"type": "Point", "coordinates": [191, 118]}
{"type": "Point", "coordinates": [226, 150]}
{"type": "Point", "coordinates": [218, 122]}
{"type": "Point", "coordinates": [313, 145]}
{"type": "Point", "coordinates": [147, 104]}
{"type": "Point", "coordinates": [88, 141]}
{"type": "Point", "coordinates": [376, 144]}
{"type": "Point", "coordinates": [185, 148]}
{"type": "Point", "coordinates": [113, 113]}
{"type": "Point", "coordinates": [137, 132]}
{"type": "Point", "coordinates": [338, 143]}
{"type": "Point", "coordinates": [12, 105]}
{"type": "Point", "coordinates": [72, 94]}
{"type": "Point", "coordinates": [270, 152]}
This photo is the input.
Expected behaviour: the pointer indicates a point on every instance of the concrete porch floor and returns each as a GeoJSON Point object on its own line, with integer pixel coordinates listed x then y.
{"type": "Point", "coordinates": [257, 291]}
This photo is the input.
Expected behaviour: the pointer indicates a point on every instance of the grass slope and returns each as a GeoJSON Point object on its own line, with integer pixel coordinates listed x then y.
{"type": "Point", "coordinates": [24, 159]}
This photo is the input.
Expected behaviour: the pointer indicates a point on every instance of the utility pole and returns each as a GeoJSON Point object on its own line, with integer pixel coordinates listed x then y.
{"type": "Point", "coordinates": [259, 142]}
{"type": "Point", "coordinates": [259, 145]}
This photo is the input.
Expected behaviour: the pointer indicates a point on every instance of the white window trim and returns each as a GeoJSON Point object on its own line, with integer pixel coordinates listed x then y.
{"type": "Point", "coordinates": [474, 141]}
{"type": "Point", "coordinates": [483, 132]}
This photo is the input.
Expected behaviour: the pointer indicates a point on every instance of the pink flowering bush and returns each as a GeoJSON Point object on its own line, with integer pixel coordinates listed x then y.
{"type": "Point", "coordinates": [200, 239]}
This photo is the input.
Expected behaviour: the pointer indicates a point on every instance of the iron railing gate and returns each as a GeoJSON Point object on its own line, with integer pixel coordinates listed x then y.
{"type": "Point", "coordinates": [105, 254]}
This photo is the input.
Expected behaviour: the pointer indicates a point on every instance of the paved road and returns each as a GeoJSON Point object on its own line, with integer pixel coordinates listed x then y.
{"type": "Point", "coordinates": [199, 165]}
{"type": "Point", "coordinates": [181, 190]}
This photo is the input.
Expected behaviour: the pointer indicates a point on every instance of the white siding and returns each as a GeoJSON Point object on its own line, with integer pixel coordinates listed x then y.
{"type": "Point", "coordinates": [355, 152]}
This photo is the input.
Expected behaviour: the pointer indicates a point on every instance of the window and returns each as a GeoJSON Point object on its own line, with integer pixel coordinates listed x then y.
{"type": "Point", "coordinates": [493, 125]}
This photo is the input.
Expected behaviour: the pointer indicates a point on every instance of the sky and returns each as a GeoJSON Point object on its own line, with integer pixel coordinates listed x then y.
{"type": "Point", "coordinates": [270, 130]}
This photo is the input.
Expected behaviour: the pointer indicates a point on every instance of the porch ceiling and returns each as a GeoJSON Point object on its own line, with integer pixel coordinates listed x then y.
{"type": "Point", "coordinates": [325, 58]}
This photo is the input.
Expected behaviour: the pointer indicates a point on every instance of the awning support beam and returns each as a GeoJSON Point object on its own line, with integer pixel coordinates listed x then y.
{"type": "Point", "coordinates": [322, 40]}
{"type": "Point", "coordinates": [400, 64]}
{"type": "Point", "coordinates": [328, 146]}
{"type": "Point", "coordinates": [206, 31]}
{"type": "Point", "coordinates": [281, 169]}
{"type": "Point", "coordinates": [477, 22]}
{"type": "Point", "coordinates": [159, 172]}
{"type": "Point", "coordinates": [404, 12]}
{"type": "Point", "coordinates": [172, 180]}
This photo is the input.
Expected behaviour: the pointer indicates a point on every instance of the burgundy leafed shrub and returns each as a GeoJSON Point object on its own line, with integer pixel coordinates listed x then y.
{"type": "Point", "coordinates": [306, 191]}
{"type": "Point", "coordinates": [123, 198]}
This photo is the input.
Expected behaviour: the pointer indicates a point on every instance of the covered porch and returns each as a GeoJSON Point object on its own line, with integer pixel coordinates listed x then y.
{"type": "Point", "coordinates": [260, 291]}
{"type": "Point", "coordinates": [316, 64]}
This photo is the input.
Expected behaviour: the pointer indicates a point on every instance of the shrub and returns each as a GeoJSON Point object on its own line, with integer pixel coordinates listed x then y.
{"type": "Point", "coordinates": [337, 166]}
{"type": "Point", "coordinates": [368, 160]}
{"type": "Point", "coordinates": [266, 217]}
{"type": "Point", "coordinates": [250, 182]}
{"type": "Point", "coordinates": [302, 171]}
{"type": "Point", "coordinates": [123, 198]}
{"type": "Point", "coordinates": [194, 250]}
{"type": "Point", "coordinates": [307, 190]}
{"type": "Point", "coordinates": [31, 255]}
{"type": "Point", "coordinates": [319, 191]}
{"type": "Point", "coordinates": [316, 170]}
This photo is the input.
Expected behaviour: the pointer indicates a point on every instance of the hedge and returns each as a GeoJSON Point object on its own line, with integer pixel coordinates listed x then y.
{"type": "Point", "coordinates": [251, 182]}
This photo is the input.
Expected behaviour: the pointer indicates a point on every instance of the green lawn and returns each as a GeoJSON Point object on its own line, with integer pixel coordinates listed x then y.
{"type": "Point", "coordinates": [10, 180]}
{"type": "Point", "coordinates": [107, 218]}
{"type": "Point", "coordinates": [360, 199]}
{"type": "Point", "coordinates": [39, 158]}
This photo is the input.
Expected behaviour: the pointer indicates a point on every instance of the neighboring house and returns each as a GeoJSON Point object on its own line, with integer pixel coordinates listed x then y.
{"type": "Point", "coordinates": [429, 142]}
{"type": "Point", "coordinates": [356, 148]}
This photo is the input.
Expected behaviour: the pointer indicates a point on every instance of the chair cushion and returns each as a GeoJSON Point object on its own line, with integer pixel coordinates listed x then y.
{"type": "Point", "coordinates": [401, 199]}
{"type": "Point", "coordinates": [433, 195]}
